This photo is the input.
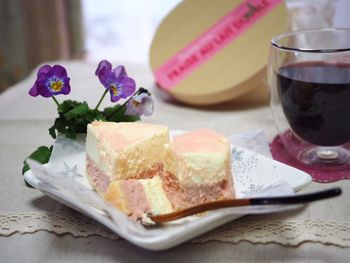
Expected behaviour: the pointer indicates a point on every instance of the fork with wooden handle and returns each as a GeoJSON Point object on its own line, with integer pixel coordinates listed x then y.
{"type": "Point", "coordinates": [278, 200]}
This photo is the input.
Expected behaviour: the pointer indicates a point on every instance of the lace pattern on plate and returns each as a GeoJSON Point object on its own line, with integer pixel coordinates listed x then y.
{"type": "Point", "coordinates": [287, 233]}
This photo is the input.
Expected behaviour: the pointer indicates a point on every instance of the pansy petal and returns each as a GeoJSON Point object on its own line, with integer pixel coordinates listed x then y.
{"type": "Point", "coordinates": [44, 91]}
{"type": "Point", "coordinates": [41, 86]}
{"type": "Point", "coordinates": [139, 97]}
{"type": "Point", "coordinates": [141, 104]}
{"type": "Point", "coordinates": [66, 87]}
{"type": "Point", "coordinates": [148, 106]}
{"type": "Point", "coordinates": [47, 75]}
{"type": "Point", "coordinates": [106, 77]}
{"type": "Point", "coordinates": [104, 65]}
{"type": "Point", "coordinates": [128, 87]}
{"type": "Point", "coordinates": [34, 91]}
{"type": "Point", "coordinates": [129, 109]}
{"type": "Point", "coordinates": [59, 71]}
{"type": "Point", "coordinates": [133, 108]}
{"type": "Point", "coordinates": [44, 70]}
{"type": "Point", "coordinates": [119, 73]}
{"type": "Point", "coordinates": [114, 98]}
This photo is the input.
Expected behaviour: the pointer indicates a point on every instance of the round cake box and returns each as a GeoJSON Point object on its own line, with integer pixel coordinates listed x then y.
{"type": "Point", "coordinates": [206, 52]}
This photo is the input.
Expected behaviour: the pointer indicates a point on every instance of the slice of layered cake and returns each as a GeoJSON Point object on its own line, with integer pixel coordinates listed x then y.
{"type": "Point", "coordinates": [137, 169]}
{"type": "Point", "coordinates": [199, 163]}
{"type": "Point", "coordinates": [122, 151]}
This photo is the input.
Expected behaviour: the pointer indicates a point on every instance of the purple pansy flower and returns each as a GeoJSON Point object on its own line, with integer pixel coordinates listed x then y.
{"type": "Point", "coordinates": [50, 81]}
{"type": "Point", "coordinates": [115, 80]}
{"type": "Point", "coordinates": [140, 104]}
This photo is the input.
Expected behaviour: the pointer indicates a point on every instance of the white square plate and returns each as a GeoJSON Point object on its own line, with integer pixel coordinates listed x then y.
{"type": "Point", "coordinates": [63, 179]}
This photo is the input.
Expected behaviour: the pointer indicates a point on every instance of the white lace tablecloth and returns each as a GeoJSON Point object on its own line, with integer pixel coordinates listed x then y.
{"type": "Point", "coordinates": [320, 233]}
{"type": "Point", "coordinates": [251, 229]}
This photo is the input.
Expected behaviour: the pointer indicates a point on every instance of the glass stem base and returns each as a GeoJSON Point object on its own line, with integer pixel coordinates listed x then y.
{"type": "Point", "coordinates": [325, 155]}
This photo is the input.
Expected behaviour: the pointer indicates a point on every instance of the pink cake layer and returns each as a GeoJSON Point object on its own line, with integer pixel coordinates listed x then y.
{"type": "Point", "coordinates": [101, 181]}
{"type": "Point", "coordinates": [179, 197]}
{"type": "Point", "coordinates": [201, 140]}
{"type": "Point", "coordinates": [182, 197]}
{"type": "Point", "coordinates": [96, 176]}
{"type": "Point", "coordinates": [120, 138]}
{"type": "Point", "coordinates": [136, 199]}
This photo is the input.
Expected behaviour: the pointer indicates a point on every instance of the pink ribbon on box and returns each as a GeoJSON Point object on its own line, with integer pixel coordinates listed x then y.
{"type": "Point", "coordinates": [212, 41]}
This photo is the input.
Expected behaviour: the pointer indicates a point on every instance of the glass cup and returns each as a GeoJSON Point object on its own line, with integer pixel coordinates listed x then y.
{"type": "Point", "coordinates": [309, 79]}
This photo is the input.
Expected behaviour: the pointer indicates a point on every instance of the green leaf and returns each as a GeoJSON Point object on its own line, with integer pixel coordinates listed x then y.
{"type": "Point", "coordinates": [73, 119]}
{"type": "Point", "coordinates": [52, 131]}
{"type": "Point", "coordinates": [129, 118]}
{"type": "Point", "coordinates": [25, 168]}
{"type": "Point", "coordinates": [71, 133]}
{"type": "Point", "coordinates": [67, 105]}
{"type": "Point", "coordinates": [114, 113]}
{"type": "Point", "coordinates": [117, 114]}
{"type": "Point", "coordinates": [94, 115]}
{"type": "Point", "coordinates": [41, 154]}
{"type": "Point", "coordinates": [116, 109]}
{"type": "Point", "coordinates": [79, 110]}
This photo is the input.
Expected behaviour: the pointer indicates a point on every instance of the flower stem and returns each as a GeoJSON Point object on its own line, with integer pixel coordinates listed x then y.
{"type": "Point", "coordinates": [118, 109]}
{"type": "Point", "coordinates": [103, 96]}
{"type": "Point", "coordinates": [57, 103]}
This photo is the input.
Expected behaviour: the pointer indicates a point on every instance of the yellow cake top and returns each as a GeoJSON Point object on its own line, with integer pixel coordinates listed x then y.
{"type": "Point", "coordinates": [122, 134]}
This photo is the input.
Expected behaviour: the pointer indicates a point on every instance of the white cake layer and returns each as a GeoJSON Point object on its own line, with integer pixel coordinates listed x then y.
{"type": "Point", "coordinates": [156, 196]}
{"type": "Point", "coordinates": [192, 168]}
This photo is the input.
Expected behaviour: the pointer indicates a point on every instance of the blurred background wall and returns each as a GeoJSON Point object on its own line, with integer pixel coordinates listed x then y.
{"type": "Point", "coordinates": [33, 31]}
{"type": "Point", "coordinates": [36, 31]}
